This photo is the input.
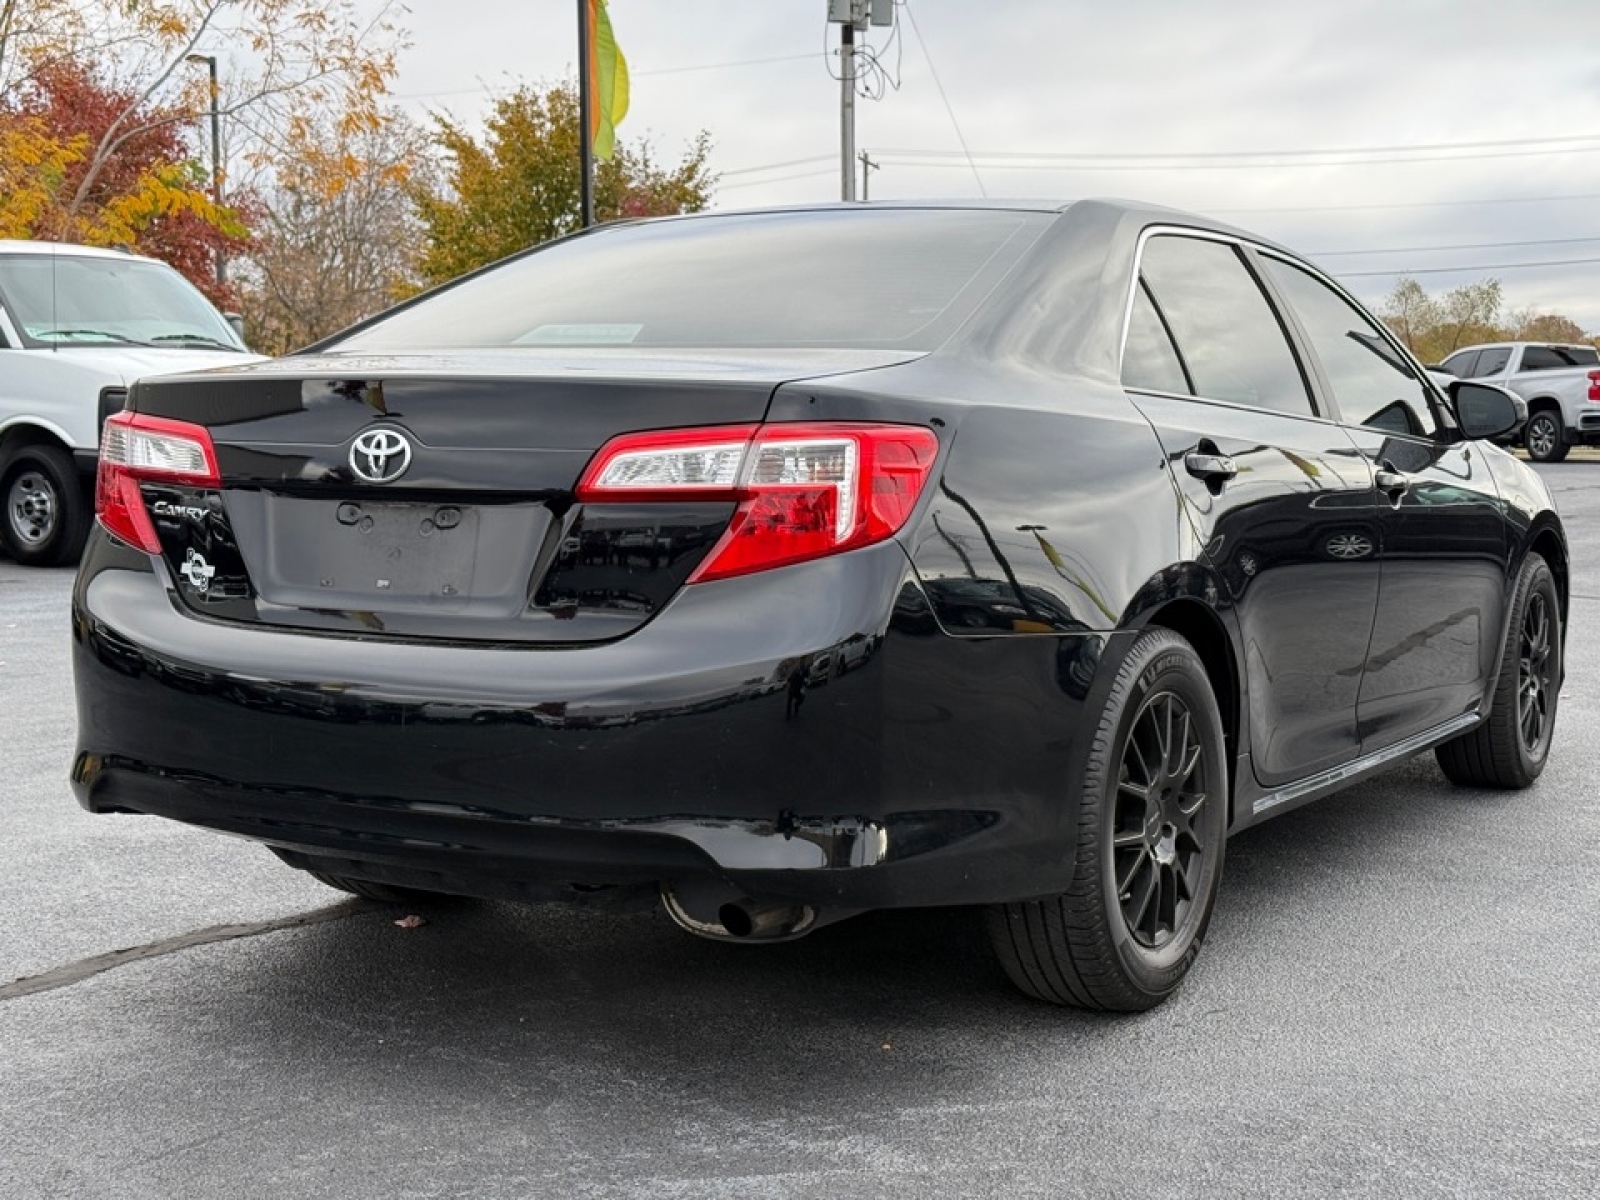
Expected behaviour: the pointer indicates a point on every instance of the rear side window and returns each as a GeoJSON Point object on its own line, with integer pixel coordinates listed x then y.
{"type": "Point", "coordinates": [1461, 364]}
{"type": "Point", "coordinates": [1224, 331]}
{"type": "Point", "coordinates": [898, 278]}
{"type": "Point", "coordinates": [1555, 358]}
{"type": "Point", "coordinates": [1151, 362]}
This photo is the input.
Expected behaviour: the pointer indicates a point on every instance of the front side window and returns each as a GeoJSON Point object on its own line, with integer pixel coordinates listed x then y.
{"type": "Point", "coordinates": [1372, 382]}
{"type": "Point", "coordinates": [1225, 331]}
{"type": "Point", "coordinates": [1491, 362]}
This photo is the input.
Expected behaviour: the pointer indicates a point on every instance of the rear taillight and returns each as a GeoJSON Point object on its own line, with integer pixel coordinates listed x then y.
{"type": "Point", "coordinates": [135, 448]}
{"type": "Point", "coordinates": [1594, 386]}
{"type": "Point", "coordinates": [804, 491]}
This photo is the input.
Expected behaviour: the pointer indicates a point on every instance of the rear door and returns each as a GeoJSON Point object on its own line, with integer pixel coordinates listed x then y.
{"type": "Point", "coordinates": [1280, 498]}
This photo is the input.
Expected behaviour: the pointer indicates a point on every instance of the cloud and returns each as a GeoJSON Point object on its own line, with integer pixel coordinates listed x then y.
{"type": "Point", "coordinates": [1157, 77]}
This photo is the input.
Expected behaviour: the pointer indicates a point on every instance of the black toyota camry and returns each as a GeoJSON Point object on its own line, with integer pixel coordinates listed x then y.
{"type": "Point", "coordinates": [779, 566]}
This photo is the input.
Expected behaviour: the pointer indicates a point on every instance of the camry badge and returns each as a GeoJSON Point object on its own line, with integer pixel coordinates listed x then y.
{"type": "Point", "coordinates": [380, 455]}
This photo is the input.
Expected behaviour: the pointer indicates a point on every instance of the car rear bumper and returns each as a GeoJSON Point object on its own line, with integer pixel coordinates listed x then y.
{"type": "Point", "coordinates": [785, 733]}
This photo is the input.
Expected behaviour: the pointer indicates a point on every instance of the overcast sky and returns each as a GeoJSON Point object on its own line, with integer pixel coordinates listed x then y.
{"type": "Point", "coordinates": [1451, 140]}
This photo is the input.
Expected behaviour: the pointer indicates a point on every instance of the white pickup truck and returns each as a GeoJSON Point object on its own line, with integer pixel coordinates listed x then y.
{"type": "Point", "coordinates": [1560, 383]}
{"type": "Point", "coordinates": [77, 326]}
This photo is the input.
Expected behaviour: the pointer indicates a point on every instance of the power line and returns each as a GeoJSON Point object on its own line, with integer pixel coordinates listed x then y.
{"type": "Point", "coordinates": [743, 62]}
{"type": "Point", "coordinates": [1462, 246]}
{"type": "Point", "coordinates": [934, 71]}
{"type": "Point", "coordinates": [1413, 204]}
{"type": "Point", "coordinates": [1419, 147]}
{"type": "Point", "coordinates": [793, 162]}
{"type": "Point", "coordinates": [929, 159]}
{"type": "Point", "coordinates": [1522, 266]}
{"type": "Point", "coordinates": [779, 179]}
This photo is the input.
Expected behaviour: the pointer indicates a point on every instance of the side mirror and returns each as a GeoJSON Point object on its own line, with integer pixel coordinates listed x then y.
{"type": "Point", "coordinates": [236, 323]}
{"type": "Point", "coordinates": [1486, 411]}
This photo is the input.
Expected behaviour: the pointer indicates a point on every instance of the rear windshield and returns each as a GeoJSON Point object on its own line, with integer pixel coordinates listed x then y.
{"type": "Point", "coordinates": [901, 278]}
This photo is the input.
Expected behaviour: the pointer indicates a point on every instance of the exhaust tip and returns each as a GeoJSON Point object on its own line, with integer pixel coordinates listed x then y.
{"type": "Point", "coordinates": [736, 919]}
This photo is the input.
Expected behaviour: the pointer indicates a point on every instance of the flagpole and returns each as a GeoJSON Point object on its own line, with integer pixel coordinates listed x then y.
{"type": "Point", "coordinates": [585, 108]}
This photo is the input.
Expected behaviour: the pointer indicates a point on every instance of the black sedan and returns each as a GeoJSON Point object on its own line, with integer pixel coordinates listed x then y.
{"type": "Point", "coordinates": [785, 565]}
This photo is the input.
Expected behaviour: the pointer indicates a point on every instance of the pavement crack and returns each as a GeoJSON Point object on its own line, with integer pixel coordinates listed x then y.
{"type": "Point", "coordinates": [87, 968]}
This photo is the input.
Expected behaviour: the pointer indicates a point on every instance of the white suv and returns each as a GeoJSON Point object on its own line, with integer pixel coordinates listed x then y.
{"type": "Point", "coordinates": [77, 326]}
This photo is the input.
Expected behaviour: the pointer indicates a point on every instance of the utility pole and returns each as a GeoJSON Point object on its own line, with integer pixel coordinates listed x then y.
{"type": "Point", "coordinates": [849, 16]}
{"type": "Point", "coordinates": [867, 167]}
{"type": "Point", "coordinates": [210, 60]}
{"type": "Point", "coordinates": [847, 109]}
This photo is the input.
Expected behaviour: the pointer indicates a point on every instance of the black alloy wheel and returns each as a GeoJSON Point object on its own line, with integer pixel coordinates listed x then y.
{"type": "Point", "coordinates": [1536, 685]}
{"type": "Point", "coordinates": [1544, 437]}
{"type": "Point", "coordinates": [1151, 829]}
{"type": "Point", "coordinates": [1158, 851]}
{"type": "Point", "coordinates": [1509, 748]}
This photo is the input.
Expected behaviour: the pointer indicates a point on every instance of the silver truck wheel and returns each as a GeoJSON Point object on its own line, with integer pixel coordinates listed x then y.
{"type": "Point", "coordinates": [1544, 437]}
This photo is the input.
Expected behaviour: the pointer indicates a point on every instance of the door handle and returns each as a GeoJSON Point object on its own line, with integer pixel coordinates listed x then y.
{"type": "Point", "coordinates": [1213, 468]}
{"type": "Point", "coordinates": [1391, 481]}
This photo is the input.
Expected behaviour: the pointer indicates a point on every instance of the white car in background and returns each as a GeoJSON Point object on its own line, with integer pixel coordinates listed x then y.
{"type": "Point", "coordinates": [77, 326]}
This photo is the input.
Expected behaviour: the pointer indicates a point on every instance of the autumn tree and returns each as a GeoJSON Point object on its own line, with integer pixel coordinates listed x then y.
{"type": "Point", "coordinates": [521, 187]}
{"type": "Point", "coordinates": [152, 195]}
{"type": "Point", "coordinates": [338, 232]}
{"type": "Point", "coordinates": [135, 167]}
{"type": "Point", "coordinates": [1529, 326]}
{"type": "Point", "coordinates": [1436, 327]}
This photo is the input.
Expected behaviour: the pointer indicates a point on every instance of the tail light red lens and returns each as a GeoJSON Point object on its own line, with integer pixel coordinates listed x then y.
{"type": "Point", "coordinates": [134, 448]}
{"type": "Point", "coordinates": [803, 491]}
{"type": "Point", "coordinates": [1594, 386]}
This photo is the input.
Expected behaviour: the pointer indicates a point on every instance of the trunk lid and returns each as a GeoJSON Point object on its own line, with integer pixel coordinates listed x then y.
{"type": "Point", "coordinates": [434, 497]}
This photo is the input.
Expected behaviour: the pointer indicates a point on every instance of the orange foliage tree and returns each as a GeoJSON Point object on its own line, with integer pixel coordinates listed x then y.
{"type": "Point", "coordinates": [113, 154]}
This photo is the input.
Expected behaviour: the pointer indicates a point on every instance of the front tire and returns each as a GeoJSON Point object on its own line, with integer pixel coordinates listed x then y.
{"type": "Point", "coordinates": [1151, 826]}
{"type": "Point", "coordinates": [1510, 748]}
{"type": "Point", "coordinates": [1545, 438]}
{"type": "Point", "coordinates": [46, 513]}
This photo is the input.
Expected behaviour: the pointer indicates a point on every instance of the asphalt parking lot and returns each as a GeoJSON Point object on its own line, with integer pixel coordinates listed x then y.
{"type": "Point", "coordinates": [1397, 998]}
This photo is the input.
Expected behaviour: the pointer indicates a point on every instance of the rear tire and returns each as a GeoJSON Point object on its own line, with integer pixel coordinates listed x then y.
{"type": "Point", "coordinates": [1510, 748]}
{"type": "Point", "coordinates": [1544, 437]}
{"type": "Point", "coordinates": [1151, 825]}
{"type": "Point", "coordinates": [46, 511]}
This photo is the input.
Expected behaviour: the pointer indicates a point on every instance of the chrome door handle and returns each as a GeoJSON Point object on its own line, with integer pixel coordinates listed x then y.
{"type": "Point", "coordinates": [1391, 481]}
{"type": "Point", "coordinates": [1210, 467]}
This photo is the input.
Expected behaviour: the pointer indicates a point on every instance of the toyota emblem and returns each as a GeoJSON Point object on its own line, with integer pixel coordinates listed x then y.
{"type": "Point", "coordinates": [380, 455]}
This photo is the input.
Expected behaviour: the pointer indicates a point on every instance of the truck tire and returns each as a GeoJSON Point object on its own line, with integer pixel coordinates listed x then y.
{"type": "Point", "coordinates": [1545, 439]}
{"type": "Point", "coordinates": [46, 510]}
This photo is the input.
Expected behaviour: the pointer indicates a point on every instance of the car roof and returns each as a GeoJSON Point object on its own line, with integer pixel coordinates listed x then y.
{"type": "Point", "coordinates": [1143, 212]}
{"type": "Point", "coordinates": [67, 250]}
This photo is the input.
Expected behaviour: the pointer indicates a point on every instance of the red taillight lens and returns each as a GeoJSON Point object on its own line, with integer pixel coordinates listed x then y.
{"type": "Point", "coordinates": [1594, 386]}
{"type": "Point", "coordinates": [134, 448]}
{"type": "Point", "coordinates": [804, 491]}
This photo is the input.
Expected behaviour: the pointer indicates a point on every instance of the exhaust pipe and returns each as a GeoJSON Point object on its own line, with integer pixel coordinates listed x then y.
{"type": "Point", "coordinates": [766, 921]}
{"type": "Point", "coordinates": [715, 911]}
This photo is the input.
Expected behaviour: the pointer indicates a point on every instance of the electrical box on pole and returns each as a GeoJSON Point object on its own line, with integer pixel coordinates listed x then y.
{"type": "Point", "coordinates": [861, 13]}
